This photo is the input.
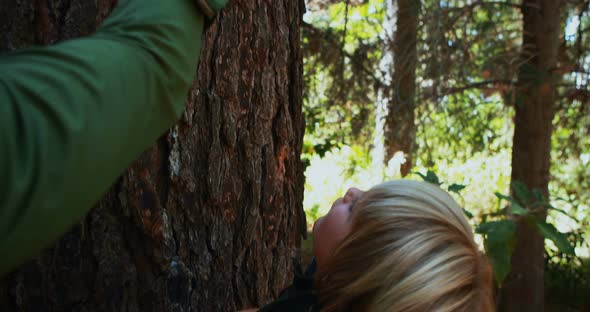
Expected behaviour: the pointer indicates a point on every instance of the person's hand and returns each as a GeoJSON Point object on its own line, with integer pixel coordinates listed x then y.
{"type": "Point", "coordinates": [209, 7]}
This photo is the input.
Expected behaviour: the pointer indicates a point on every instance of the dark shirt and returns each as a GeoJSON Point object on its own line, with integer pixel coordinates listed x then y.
{"type": "Point", "coordinates": [300, 296]}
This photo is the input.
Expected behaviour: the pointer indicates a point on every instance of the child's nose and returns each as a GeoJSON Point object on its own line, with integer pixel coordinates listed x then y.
{"type": "Point", "coordinates": [352, 194]}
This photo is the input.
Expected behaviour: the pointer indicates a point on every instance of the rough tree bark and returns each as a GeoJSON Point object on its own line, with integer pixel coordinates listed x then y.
{"type": "Point", "coordinates": [400, 128]}
{"type": "Point", "coordinates": [535, 108]}
{"type": "Point", "coordinates": [208, 218]}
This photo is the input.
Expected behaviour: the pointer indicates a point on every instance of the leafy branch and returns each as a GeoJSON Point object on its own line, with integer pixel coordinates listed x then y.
{"type": "Point", "coordinates": [500, 234]}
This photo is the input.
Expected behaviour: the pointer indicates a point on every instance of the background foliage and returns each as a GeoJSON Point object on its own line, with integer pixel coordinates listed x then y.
{"type": "Point", "coordinates": [468, 62]}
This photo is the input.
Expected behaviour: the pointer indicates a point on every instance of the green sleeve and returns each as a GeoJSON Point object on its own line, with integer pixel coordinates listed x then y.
{"type": "Point", "coordinates": [73, 116]}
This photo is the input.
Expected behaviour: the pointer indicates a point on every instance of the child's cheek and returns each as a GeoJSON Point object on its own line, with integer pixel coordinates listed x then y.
{"type": "Point", "coordinates": [316, 226]}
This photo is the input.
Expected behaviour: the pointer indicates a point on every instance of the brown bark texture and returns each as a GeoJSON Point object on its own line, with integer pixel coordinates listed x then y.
{"type": "Point", "coordinates": [536, 95]}
{"type": "Point", "coordinates": [400, 128]}
{"type": "Point", "coordinates": [209, 217]}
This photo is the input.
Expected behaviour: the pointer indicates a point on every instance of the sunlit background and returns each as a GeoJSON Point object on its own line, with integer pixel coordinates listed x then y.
{"type": "Point", "coordinates": [451, 138]}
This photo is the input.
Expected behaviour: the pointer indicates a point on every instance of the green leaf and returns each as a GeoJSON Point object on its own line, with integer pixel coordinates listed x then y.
{"type": "Point", "coordinates": [563, 212]}
{"type": "Point", "coordinates": [500, 196]}
{"type": "Point", "coordinates": [456, 188]}
{"type": "Point", "coordinates": [516, 208]}
{"type": "Point", "coordinates": [522, 192]}
{"type": "Point", "coordinates": [539, 195]}
{"type": "Point", "coordinates": [421, 175]}
{"type": "Point", "coordinates": [430, 177]}
{"type": "Point", "coordinates": [467, 213]}
{"type": "Point", "coordinates": [560, 239]}
{"type": "Point", "coordinates": [501, 231]}
{"type": "Point", "coordinates": [499, 255]}
{"type": "Point", "coordinates": [498, 237]}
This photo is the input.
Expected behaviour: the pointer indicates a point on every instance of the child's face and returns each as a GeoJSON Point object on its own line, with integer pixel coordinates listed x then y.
{"type": "Point", "coordinates": [330, 230]}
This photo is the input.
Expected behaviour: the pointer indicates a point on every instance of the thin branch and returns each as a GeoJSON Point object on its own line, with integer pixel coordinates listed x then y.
{"type": "Point", "coordinates": [332, 42]}
{"type": "Point", "coordinates": [468, 9]}
{"type": "Point", "coordinates": [499, 3]}
{"type": "Point", "coordinates": [343, 41]}
{"type": "Point", "coordinates": [486, 4]}
{"type": "Point", "coordinates": [477, 85]}
{"type": "Point", "coordinates": [583, 10]}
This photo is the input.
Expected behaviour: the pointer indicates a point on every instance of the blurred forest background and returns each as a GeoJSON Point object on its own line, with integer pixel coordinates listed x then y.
{"type": "Point", "coordinates": [488, 98]}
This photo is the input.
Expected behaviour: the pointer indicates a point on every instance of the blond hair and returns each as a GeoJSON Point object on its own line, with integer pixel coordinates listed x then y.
{"type": "Point", "coordinates": [410, 249]}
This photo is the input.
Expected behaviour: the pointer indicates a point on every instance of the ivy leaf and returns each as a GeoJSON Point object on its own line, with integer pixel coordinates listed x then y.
{"type": "Point", "coordinates": [467, 213]}
{"type": "Point", "coordinates": [504, 197]}
{"type": "Point", "coordinates": [306, 163]}
{"type": "Point", "coordinates": [516, 208]}
{"type": "Point", "coordinates": [499, 255]}
{"type": "Point", "coordinates": [539, 195]}
{"type": "Point", "coordinates": [522, 192]}
{"type": "Point", "coordinates": [498, 237]}
{"type": "Point", "coordinates": [563, 212]}
{"type": "Point", "coordinates": [497, 231]}
{"type": "Point", "coordinates": [421, 175]}
{"type": "Point", "coordinates": [560, 239]}
{"type": "Point", "coordinates": [456, 188]}
{"type": "Point", "coordinates": [430, 177]}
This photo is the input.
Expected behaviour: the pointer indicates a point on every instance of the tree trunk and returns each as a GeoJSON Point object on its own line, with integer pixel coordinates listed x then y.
{"type": "Point", "coordinates": [209, 217]}
{"type": "Point", "coordinates": [400, 128]}
{"type": "Point", "coordinates": [535, 107]}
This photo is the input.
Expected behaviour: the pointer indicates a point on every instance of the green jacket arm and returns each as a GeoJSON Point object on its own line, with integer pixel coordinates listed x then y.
{"type": "Point", "coordinates": [75, 115]}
